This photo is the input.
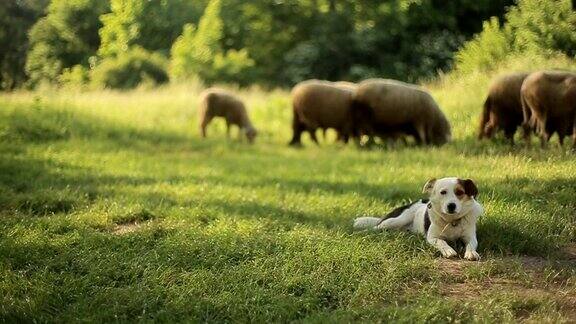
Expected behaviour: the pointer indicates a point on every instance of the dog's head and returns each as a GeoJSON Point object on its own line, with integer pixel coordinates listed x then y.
{"type": "Point", "coordinates": [451, 196]}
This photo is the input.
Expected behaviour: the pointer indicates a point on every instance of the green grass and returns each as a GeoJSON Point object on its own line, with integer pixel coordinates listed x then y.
{"type": "Point", "coordinates": [113, 209]}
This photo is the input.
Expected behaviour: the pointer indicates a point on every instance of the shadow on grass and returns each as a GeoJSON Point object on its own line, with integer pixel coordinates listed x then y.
{"type": "Point", "coordinates": [547, 225]}
{"type": "Point", "coordinates": [43, 187]}
{"type": "Point", "coordinates": [38, 124]}
{"type": "Point", "coordinates": [471, 147]}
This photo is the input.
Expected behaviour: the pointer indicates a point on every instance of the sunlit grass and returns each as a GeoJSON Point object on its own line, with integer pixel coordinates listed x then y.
{"type": "Point", "coordinates": [113, 209]}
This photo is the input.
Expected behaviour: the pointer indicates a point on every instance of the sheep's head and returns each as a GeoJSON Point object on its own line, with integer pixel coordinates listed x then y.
{"type": "Point", "coordinates": [251, 133]}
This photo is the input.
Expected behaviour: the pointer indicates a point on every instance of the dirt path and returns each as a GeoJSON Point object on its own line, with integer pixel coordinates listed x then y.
{"type": "Point", "coordinates": [527, 277]}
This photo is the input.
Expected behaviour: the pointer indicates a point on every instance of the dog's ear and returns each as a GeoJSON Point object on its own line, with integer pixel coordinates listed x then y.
{"type": "Point", "coordinates": [428, 186]}
{"type": "Point", "coordinates": [469, 187]}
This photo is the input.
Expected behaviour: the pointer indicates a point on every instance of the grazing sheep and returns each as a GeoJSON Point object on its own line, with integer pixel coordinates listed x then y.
{"type": "Point", "coordinates": [549, 104]}
{"type": "Point", "coordinates": [348, 86]}
{"type": "Point", "coordinates": [220, 103]}
{"type": "Point", "coordinates": [351, 86]}
{"type": "Point", "coordinates": [389, 107]}
{"type": "Point", "coordinates": [503, 107]}
{"type": "Point", "coordinates": [321, 104]}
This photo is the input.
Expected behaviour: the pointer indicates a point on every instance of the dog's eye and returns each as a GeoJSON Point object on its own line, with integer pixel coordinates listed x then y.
{"type": "Point", "coordinates": [459, 192]}
{"type": "Point", "coordinates": [443, 192]}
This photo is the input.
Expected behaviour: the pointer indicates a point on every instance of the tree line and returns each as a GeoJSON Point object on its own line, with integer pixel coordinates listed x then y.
{"type": "Point", "coordinates": [125, 43]}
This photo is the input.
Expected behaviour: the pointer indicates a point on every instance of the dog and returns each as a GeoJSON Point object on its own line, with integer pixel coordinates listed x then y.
{"type": "Point", "coordinates": [450, 214]}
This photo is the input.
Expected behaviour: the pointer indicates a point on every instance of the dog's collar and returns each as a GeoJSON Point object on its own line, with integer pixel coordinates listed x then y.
{"type": "Point", "coordinates": [453, 223]}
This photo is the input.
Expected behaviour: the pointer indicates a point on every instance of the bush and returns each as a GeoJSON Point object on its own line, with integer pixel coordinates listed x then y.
{"type": "Point", "coordinates": [77, 76]}
{"type": "Point", "coordinates": [66, 36]}
{"type": "Point", "coordinates": [534, 28]}
{"type": "Point", "coordinates": [197, 53]}
{"type": "Point", "coordinates": [129, 70]}
{"type": "Point", "coordinates": [232, 67]}
{"type": "Point", "coordinates": [544, 26]}
{"type": "Point", "coordinates": [490, 46]}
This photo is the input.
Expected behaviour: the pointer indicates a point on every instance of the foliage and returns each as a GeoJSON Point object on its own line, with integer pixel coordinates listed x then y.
{"type": "Point", "coordinates": [75, 77]}
{"type": "Point", "coordinates": [487, 48]}
{"type": "Point", "coordinates": [130, 69]}
{"type": "Point", "coordinates": [152, 25]}
{"type": "Point", "coordinates": [294, 40]}
{"type": "Point", "coordinates": [193, 52]}
{"type": "Point", "coordinates": [273, 43]}
{"type": "Point", "coordinates": [16, 18]}
{"type": "Point", "coordinates": [534, 27]}
{"type": "Point", "coordinates": [67, 36]}
{"type": "Point", "coordinates": [543, 26]}
{"type": "Point", "coordinates": [120, 28]}
{"type": "Point", "coordinates": [198, 53]}
{"type": "Point", "coordinates": [232, 67]}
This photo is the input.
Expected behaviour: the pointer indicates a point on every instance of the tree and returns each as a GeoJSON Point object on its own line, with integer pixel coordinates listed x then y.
{"type": "Point", "coordinates": [16, 18]}
{"type": "Point", "coordinates": [67, 36]}
{"type": "Point", "coordinates": [198, 53]}
{"type": "Point", "coordinates": [291, 40]}
{"type": "Point", "coordinates": [130, 69]}
{"type": "Point", "coordinates": [152, 25]}
{"type": "Point", "coordinates": [269, 42]}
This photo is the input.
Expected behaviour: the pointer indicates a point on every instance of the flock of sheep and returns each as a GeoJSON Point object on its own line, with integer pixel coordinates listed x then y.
{"type": "Point", "coordinates": [542, 102]}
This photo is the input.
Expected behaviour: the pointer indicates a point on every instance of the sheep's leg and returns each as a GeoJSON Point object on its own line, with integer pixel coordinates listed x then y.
{"type": "Point", "coordinates": [227, 130]}
{"type": "Point", "coordinates": [203, 131]}
{"type": "Point", "coordinates": [544, 133]}
{"type": "Point", "coordinates": [574, 135]}
{"type": "Point", "coordinates": [339, 136]}
{"type": "Point", "coordinates": [403, 139]}
{"type": "Point", "coordinates": [297, 129]}
{"type": "Point", "coordinates": [544, 138]}
{"type": "Point", "coordinates": [421, 130]}
{"type": "Point", "coordinates": [344, 133]}
{"type": "Point", "coordinates": [417, 139]}
{"type": "Point", "coordinates": [509, 134]}
{"type": "Point", "coordinates": [313, 136]}
{"type": "Point", "coordinates": [490, 127]}
{"type": "Point", "coordinates": [203, 124]}
{"type": "Point", "coordinates": [561, 135]}
{"type": "Point", "coordinates": [371, 141]}
{"type": "Point", "coordinates": [527, 120]}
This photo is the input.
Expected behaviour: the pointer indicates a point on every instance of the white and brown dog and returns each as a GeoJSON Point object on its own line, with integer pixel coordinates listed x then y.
{"type": "Point", "coordinates": [450, 214]}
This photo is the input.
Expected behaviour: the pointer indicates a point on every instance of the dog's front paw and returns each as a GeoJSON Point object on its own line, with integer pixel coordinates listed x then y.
{"type": "Point", "coordinates": [448, 252]}
{"type": "Point", "coordinates": [472, 255]}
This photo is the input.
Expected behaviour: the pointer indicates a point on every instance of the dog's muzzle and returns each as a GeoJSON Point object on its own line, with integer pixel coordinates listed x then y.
{"type": "Point", "coordinates": [451, 208]}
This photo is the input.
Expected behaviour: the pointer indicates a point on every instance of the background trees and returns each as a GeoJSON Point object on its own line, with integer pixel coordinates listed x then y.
{"type": "Point", "coordinates": [65, 37]}
{"type": "Point", "coordinates": [16, 18]}
{"type": "Point", "coordinates": [198, 52]}
{"type": "Point", "coordinates": [272, 43]}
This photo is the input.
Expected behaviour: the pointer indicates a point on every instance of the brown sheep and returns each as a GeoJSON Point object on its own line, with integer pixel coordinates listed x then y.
{"type": "Point", "coordinates": [503, 107]}
{"type": "Point", "coordinates": [348, 86]}
{"type": "Point", "coordinates": [549, 104]}
{"type": "Point", "coordinates": [220, 103]}
{"type": "Point", "coordinates": [351, 86]}
{"type": "Point", "coordinates": [321, 104]}
{"type": "Point", "coordinates": [388, 108]}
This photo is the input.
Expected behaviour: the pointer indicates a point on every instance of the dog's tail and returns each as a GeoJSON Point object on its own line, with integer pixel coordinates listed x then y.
{"type": "Point", "coordinates": [363, 223]}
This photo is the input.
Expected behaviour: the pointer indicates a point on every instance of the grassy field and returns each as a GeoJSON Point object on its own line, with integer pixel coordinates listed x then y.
{"type": "Point", "coordinates": [113, 209]}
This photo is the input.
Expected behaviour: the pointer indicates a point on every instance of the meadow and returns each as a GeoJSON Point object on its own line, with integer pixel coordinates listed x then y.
{"type": "Point", "coordinates": [113, 209]}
